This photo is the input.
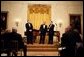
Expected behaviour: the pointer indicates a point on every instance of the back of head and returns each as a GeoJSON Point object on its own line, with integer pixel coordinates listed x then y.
{"type": "Point", "coordinates": [14, 30]}
{"type": "Point", "coordinates": [66, 29]}
{"type": "Point", "coordinates": [69, 28]}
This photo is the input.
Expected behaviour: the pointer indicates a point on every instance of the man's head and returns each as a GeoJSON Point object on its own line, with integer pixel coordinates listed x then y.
{"type": "Point", "coordinates": [51, 22]}
{"type": "Point", "coordinates": [28, 21]}
{"type": "Point", "coordinates": [44, 22]}
{"type": "Point", "coordinates": [68, 28]}
{"type": "Point", "coordinates": [14, 30]}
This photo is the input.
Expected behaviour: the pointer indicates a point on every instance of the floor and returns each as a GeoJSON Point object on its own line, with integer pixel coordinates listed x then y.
{"type": "Point", "coordinates": [40, 50]}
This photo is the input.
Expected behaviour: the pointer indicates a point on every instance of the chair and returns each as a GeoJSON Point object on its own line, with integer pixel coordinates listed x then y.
{"type": "Point", "coordinates": [3, 48]}
{"type": "Point", "coordinates": [61, 49]}
{"type": "Point", "coordinates": [14, 47]}
{"type": "Point", "coordinates": [11, 47]}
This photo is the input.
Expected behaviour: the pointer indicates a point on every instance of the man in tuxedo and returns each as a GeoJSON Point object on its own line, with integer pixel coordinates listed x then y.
{"type": "Point", "coordinates": [43, 30]}
{"type": "Point", "coordinates": [51, 33]}
{"type": "Point", "coordinates": [29, 32]}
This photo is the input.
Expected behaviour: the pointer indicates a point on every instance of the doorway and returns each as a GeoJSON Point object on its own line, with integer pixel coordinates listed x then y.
{"type": "Point", "coordinates": [75, 21]}
{"type": "Point", "coordinates": [3, 20]}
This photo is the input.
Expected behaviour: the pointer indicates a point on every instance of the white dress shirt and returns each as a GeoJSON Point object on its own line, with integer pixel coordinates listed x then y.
{"type": "Point", "coordinates": [43, 26]}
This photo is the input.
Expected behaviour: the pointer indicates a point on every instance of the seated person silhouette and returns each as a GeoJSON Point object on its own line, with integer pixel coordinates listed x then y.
{"type": "Point", "coordinates": [4, 42]}
{"type": "Point", "coordinates": [18, 38]}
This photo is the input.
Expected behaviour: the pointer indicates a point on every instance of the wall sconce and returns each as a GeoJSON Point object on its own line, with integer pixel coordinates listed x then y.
{"type": "Point", "coordinates": [17, 22]}
{"type": "Point", "coordinates": [60, 24]}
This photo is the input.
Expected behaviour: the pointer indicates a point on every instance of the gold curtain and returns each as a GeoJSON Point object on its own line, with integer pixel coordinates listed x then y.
{"type": "Point", "coordinates": [38, 13]}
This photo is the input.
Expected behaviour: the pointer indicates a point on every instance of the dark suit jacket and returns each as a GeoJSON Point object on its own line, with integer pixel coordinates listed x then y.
{"type": "Point", "coordinates": [4, 39]}
{"type": "Point", "coordinates": [51, 29]}
{"type": "Point", "coordinates": [43, 30]}
{"type": "Point", "coordinates": [70, 38]}
{"type": "Point", "coordinates": [28, 28]}
{"type": "Point", "coordinates": [17, 37]}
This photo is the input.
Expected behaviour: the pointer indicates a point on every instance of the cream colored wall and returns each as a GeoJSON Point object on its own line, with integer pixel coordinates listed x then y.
{"type": "Point", "coordinates": [60, 11]}
{"type": "Point", "coordinates": [15, 11]}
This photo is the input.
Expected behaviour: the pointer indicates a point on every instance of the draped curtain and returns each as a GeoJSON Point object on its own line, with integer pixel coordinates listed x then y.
{"type": "Point", "coordinates": [38, 13]}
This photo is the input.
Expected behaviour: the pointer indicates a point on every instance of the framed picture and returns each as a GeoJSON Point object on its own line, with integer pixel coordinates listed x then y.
{"type": "Point", "coordinates": [75, 21]}
{"type": "Point", "coordinates": [3, 20]}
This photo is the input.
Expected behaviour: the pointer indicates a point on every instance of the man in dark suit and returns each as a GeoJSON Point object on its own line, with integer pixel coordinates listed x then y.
{"type": "Point", "coordinates": [43, 30]}
{"type": "Point", "coordinates": [4, 42]}
{"type": "Point", "coordinates": [17, 38]}
{"type": "Point", "coordinates": [29, 32]}
{"type": "Point", "coordinates": [51, 33]}
{"type": "Point", "coordinates": [69, 40]}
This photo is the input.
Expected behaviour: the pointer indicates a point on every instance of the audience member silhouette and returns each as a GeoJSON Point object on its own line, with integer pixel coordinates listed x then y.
{"type": "Point", "coordinates": [5, 40]}
{"type": "Point", "coordinates": [17, 37]}
{"type": "Point", "coordinates": [69, 40]}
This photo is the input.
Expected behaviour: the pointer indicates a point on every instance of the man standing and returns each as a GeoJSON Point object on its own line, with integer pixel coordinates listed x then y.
{"type": "Point", "coordinates": [29, 32]}
{"type": "Point", "coordinates": [51, 33]}
{"type": "Point", "coordinates": [43, 29]}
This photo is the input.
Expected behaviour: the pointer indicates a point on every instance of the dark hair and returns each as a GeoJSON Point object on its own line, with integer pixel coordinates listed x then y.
{"type": "Point", "coordinates": [14, 30]}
